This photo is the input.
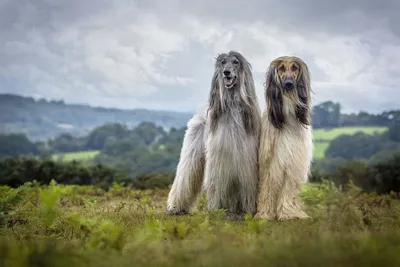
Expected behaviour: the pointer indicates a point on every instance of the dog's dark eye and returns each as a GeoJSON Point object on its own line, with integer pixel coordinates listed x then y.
{"type": "Point", "coordinates": [235, 62]}
{"type": "Point", "coordinates": [294, 68]}
{"type": "Point", "coordinates": [282, 68]}
{"type": "Point", "coordinates": [223, 62]}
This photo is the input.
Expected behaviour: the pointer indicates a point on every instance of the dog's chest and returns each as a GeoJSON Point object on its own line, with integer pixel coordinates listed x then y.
{"type": "Point", "coordinates": [230, 132]}
{"type": "Point", "coordinates": [232, 121]}
{"type": "Point", "coordinates": [292, 144]}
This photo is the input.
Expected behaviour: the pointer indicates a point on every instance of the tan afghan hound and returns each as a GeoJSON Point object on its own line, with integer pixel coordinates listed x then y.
{"type": "Point", "coordinates": [220, 148]}
{"type": "Point", "coordinates": [286, 146]}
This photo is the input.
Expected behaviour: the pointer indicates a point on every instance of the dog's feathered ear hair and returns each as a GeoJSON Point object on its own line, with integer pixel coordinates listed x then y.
{"type": "Point", "coordinates": [303, 92]}
{"type": "Point", "coordinates": [216, 104]}
{"type": "Point", "coordinates": [274, 98]}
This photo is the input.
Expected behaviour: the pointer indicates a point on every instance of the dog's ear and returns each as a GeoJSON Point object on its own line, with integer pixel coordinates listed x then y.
{"type": "Point", "coordinates": [274, 98]}
{"type": "Point", "coordinates": [303, 93]}
{"type": "Point", "coordinates": [215, 105]}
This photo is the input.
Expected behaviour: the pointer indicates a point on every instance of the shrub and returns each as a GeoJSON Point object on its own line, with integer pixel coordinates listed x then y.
{"type": "Point", "coordinates": [381, 177]}
{"type": "Point", "coordinates": [153, 180]}
{"type": "Point", "coordinates": [17, 171]}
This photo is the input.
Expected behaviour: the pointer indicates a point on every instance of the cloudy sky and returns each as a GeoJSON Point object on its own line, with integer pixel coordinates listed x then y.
{"type": "Point", "coordinates": [159, 54]}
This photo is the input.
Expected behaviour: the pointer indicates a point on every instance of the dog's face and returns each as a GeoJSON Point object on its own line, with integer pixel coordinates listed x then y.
{"type": "Point", "coordinates": [229, 66]}
{"type": "Point", "coordinates": [288, 72]}
{"type": "Point", "coordinates": [288, 76]}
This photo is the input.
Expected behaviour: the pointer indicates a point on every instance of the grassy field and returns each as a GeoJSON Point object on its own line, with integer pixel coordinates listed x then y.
{"type": "Point", "coordinates": [328, 135]}
{"type": "Point", "coordinates": [319, 149]}
{"type": "Point", "coordinates": [322, 137]}
{"type": "Point", "coordinates": [79, 156]}
{"type": "Point", "coordinates": [85, 226]}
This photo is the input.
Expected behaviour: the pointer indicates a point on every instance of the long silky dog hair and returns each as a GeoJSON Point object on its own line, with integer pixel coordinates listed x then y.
{"type": "Point", "coordinates": [220, 147]}
{"type": "Point", "coordinates": [286, 146]}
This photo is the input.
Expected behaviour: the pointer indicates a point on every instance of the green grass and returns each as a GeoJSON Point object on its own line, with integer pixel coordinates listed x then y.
{"type": "Point", "coordinates": [85, 226]}
{"type": "Point", "coordinates": [319, 149]}
{"type": "Point", "coordinates": [328, 135]}
{"type": "Point", "coordinates": [79, 156]}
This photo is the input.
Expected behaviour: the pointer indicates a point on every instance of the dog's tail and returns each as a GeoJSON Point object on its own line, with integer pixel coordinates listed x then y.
{"type": "Point", "coordinates": [190, 170]}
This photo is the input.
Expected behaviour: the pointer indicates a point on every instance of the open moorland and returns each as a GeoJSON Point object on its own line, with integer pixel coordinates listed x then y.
{"type": "Point", "coordinates": [56, 225]}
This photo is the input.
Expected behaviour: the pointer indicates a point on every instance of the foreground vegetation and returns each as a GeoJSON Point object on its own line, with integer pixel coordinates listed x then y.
{"type": "Point", "coordinates": [56, 225]}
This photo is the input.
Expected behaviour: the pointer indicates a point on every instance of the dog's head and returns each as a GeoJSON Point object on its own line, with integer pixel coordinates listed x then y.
{"type": "Point", "coordinates": [232, 87]}
{"type": "Point", "coordinates": [288, 76]}
{"type": "Point", "coordinates": [289, 73]}
{"type": "Point", "coordinates": [230, 68]}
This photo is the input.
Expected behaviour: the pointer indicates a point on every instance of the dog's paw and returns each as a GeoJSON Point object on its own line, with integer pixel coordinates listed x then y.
{"type": "Point", "coordinates": [176, 212]}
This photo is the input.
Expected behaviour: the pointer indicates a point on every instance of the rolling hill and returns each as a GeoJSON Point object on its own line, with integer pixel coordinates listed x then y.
{"type": "Point", "coordinates": [42, 119]}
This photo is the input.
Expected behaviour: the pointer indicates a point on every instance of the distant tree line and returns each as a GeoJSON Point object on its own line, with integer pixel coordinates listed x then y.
{"type": "Point", "coordinates": [325, 115]}
{"type": "Point", "coordinates": [147, 148]}
{"type": "Point", "coordinates": [328, 115]}
{"type": "Point", "coordinates": [17, 171]}
{"type": "Point", "coordinates": [150, 148]}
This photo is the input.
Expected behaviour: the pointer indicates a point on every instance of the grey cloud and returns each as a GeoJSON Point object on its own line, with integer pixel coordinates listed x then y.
{"type": "Point", "coordinates": [45, 46]}
{"type": "Point", "coordinates": [341, 16]}
{"type": "Point", "coordinates": [353, 101]}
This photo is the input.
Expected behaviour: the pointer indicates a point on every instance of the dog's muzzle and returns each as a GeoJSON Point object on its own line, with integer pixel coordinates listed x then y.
{"type": "Point", "coordinates": [288, 83]}
{"type": "Point", "coordinates": [229, 79]}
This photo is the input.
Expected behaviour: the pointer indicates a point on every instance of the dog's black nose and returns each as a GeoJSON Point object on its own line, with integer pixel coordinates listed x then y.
{"type": "Point", "coordinates": [227, 72]}
{"type": "Point", "coordinates": [288, 84]}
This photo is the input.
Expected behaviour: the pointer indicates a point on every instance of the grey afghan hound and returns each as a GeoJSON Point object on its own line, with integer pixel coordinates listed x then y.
{"type": "Point", "coordinates": [219, 151]}
{"type": "Point", "coordinates": [286, 145]}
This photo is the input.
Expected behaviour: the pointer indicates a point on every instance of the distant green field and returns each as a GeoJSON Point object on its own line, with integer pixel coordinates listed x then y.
{"type": "Point", "coordinates": [79, 156]}
{"type": "Point", "coordinates": [319, 149]}
{"type": "Point", "coordinates": [328, 135]}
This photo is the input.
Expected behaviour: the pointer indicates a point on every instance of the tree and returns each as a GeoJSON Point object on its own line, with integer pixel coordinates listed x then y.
{"type": "Point", "coordinates": [148, 132]}
{"type": "Point", "coordinates": [394, 132]}
{"type": "Point", "coordinates": [357, 146]}
{"type": "Point", "coordinates": [326, 115]}
{"type": "Point", "coordinates": [16, 145]}
{"type": "Point", "coordinates": [67, 143]}
{"type": "Point", "coordinates": [97, 139]}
